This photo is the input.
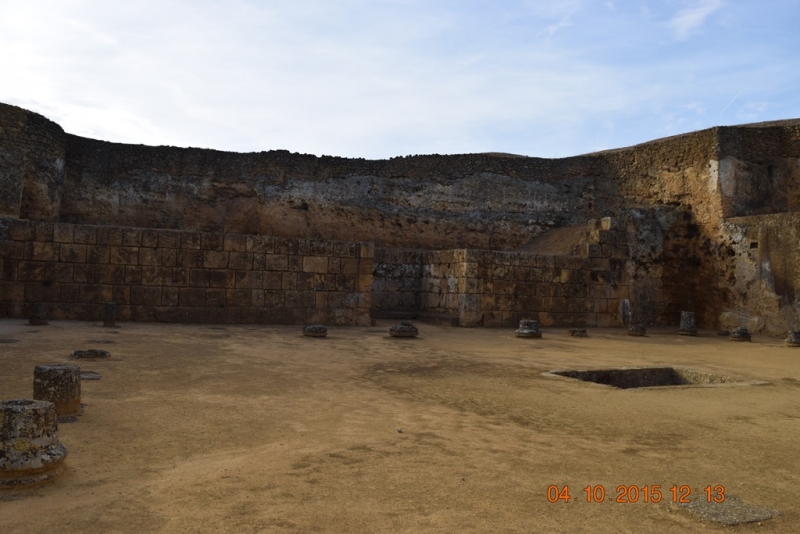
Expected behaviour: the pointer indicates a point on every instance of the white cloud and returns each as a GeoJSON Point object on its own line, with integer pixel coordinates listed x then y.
{"type": "Point", "coordinates": [688, 21]}
{"type": "Point", "coordinates": [379, 79]}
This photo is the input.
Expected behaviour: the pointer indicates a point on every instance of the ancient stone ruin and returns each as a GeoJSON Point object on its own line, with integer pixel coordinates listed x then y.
{"type": "Point", "coordinates": [687, 327]}
{"type": "Point", "coordinates": [59, 384]}
{"type": "Point", "coordinates": [404, 329]}
{"type": "Point", "coordinates": [705, 221]}
{"type": "Point", "coordinates": [29, 442]}
{"type": "Point", "coordinates": [315, 330]}
{"type": "Point", "coordinates": [528, 328]}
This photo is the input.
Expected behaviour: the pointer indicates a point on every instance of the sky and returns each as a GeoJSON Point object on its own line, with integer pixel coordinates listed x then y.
{"type": "Point", "coordinates": [384, 78]}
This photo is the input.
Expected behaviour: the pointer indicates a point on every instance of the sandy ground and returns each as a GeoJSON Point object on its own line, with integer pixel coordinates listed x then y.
{"type": "Point", "coordinates": [258, 429]}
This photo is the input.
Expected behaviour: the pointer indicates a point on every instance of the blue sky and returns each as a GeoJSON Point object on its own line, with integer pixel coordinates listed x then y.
{"type": "Point", "coordinates": [385, 78]}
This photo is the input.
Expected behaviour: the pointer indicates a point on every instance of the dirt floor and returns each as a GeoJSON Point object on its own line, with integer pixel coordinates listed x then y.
{"type": "Point", "coordinates": [258, 429]}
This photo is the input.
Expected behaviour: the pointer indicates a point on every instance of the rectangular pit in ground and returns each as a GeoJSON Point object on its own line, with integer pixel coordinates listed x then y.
{"type": "Point", "coordinates": [645, 377]}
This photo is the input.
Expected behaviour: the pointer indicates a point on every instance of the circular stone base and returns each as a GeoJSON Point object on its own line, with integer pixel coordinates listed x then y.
{"type": "Point", "coordinates": [792, 343]}
{"type": "Point", "coordinates": [29, 441]}
{"type": "Point", "coordinates": [529, 333]}
{"type": "Point", "coordinates": [739, 338]}
{"type": "Point", "coordinates": [315, 331]}
{"type": "Point", "coordinates": [687, 332]}
{"type": "Point", "coordinates": [404, 329]}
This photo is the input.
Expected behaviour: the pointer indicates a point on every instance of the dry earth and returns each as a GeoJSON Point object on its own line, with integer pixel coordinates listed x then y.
{"type": "Point", "coordinates": [258, 429]}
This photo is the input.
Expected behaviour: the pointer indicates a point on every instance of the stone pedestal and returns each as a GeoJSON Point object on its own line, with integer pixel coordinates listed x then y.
{"type": "Point", "coordinates": [315, 330]}
{"type": "Point", "coordinates": [637, 330]}
{"type": "Point", "coordinates": [687, 327]}
{"type": "Point", "coordinates": [794, 338]}
{"type": "Point", "coordinates": [528, 328]}
{"type": "Point", "coordinates": [29, 443]}
{"type": "Point", "coordinates": [59, 384]}
{"type": "Point", "coordinates": [739, 333]}
{"type": "Point", "coordinates": [404, 329]}
{"type": "Point", "coordinates": [39, 315]}
{"type": "Point", "coordinates": [109, 314]}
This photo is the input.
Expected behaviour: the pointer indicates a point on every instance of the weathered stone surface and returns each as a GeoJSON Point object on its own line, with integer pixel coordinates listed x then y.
{"type": "Point", "coordinates": [687, 327]}
{"type": "Point", "coordinates": [39, 314]}
{"type": "Point", "coordinates": [315, 330]}
{"type": "Point", "coordinates": [740, 334]}
{"type": "Point", "coordinates": [31, 452]}
{"type": "Point", "coordinates": [578, 332]}
{"type": "Point", "coordinates": [59, 384]}
{"type": "Point", "coordinates": [793, 340]}
{"type": "Point", "coordinates": [109, 314]}
{"type": "Point", "coordinates": [637, 330]}
{"type": "Point", "coordinates": [528, 328]}
{"type": "Point", "coordinates": [404, 329]}
{"type": "Point", "coordinates": [705, 221]}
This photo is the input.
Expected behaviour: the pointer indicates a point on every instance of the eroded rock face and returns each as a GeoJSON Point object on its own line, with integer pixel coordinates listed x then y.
{"type": "Point", "coordinates": [29, 448]}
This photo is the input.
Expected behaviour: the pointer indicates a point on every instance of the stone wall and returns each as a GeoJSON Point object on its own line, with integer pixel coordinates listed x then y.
{"type": "Point", "coordinates": [495, 288]}
{"type": "Point", "coordinates": [397, 280]}
{"type": "Point", "coordinates": [32, 164]}
{"type": "Point", "coordinates": [673, 198]}
{"type": "Point", "coordinates": [762, 270]}
{"type": "Point", "coordinates": [179, 276]}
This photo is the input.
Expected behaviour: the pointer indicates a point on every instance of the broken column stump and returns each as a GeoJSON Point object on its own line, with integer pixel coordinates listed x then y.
{"type": "Point", "coordinates": [315, 330]}
{"type": "Point", "coordinates": [739, 333]}
{"type": "Point", "coordinates": [687, 327]}
{"type": "Point", "coordinates": [794, 338]}
{"type": "Point", "coordinates": [528, 328]}
{"type": "Point", "coordinates": [39, 314]}
{"type": "Point", "coordinates": [59, 384]}
{"type": "Point", "coordinates": [404, 329]}
{"type": "Point", "coordinates": [109, 314]}
{"type": "Point", "coordinates": [637, 330]}
{"type": "Point", "coordinates": [29, 443]}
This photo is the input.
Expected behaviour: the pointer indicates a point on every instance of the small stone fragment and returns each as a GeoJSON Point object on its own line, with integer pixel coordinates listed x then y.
{"type": "Point", "coordinates": [315, 330]}
{"type": "Point", "coordinates": [578, 332]}
{"type": "Point", "coordinates": [404, 329]}
{"type": "Point", "coordinates": [687, 327]}
{"type": "Point", "coordinates": [637, 330]}
{"type": "Point", "coordinates": [90, 354]}
{"type": "Point", "coordinates": [528, 328]}
{"type": "Point", "coordinates": [739, 333]}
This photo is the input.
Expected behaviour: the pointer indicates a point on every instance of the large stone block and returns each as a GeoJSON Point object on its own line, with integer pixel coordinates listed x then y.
{"type": "Point", "coordinates": [316, 264]}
